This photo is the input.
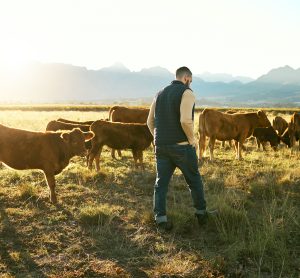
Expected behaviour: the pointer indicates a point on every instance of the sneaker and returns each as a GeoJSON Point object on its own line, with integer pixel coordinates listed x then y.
{"type": "Point", "coordinates": [165, 226]}
{"type": "Point", "coordinates": [203, 218]}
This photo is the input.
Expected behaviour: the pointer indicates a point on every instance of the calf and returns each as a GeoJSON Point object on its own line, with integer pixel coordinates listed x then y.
{"type": "Point", "coordinates": [68, 125]}
{"type": "Point", "coordinates": [57, 125]}
{"type": "Point", "coordinates": [47, 151]}
{"type": "Point", "coordinates": [134, 136]}
{"type": "Point", "coordinates": [264, 135]}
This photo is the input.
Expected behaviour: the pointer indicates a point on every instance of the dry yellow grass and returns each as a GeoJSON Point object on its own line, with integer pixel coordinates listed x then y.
{"type": "Point", "coordinates": [103, 224]}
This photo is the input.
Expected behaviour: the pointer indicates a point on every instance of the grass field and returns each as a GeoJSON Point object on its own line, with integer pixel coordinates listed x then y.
{"type": "Point", "coordinates": [103, 225]}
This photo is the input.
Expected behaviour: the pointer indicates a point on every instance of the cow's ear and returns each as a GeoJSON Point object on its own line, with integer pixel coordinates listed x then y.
{"type": "Point", "coordinates": [65, 136]}
{"type": "Point", "coordinates": [260, 113]}
{"type": "Point", "coordinates": [88, 135]}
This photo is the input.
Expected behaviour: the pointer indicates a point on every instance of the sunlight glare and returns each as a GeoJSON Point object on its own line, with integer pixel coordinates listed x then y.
{"type": "Point", "coordinates": [14, 58]}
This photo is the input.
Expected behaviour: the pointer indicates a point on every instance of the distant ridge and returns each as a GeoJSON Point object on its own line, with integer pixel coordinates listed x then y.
{"type": "Point", "coordinates": [223, 77]}
{"type": "Point", "coordinates": [282, 75]}
{"type": "Point", "coordinates": [63, 83]}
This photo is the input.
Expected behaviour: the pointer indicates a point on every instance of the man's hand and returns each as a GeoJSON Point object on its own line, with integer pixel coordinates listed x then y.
{"type": "Point", "coordinates": [194, 144]}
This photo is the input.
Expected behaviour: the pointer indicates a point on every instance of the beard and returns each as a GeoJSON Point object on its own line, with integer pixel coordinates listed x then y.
{"type": "Point", "coordinates": [187, 83]}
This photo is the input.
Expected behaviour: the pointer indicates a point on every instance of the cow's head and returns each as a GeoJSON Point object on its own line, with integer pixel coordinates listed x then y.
{"type": "Point", "coordinates": [263, 120]}
{"type": "Point", "coordinates": [76, 140]}
{"type": "Point", "coordinates": [275, 139]}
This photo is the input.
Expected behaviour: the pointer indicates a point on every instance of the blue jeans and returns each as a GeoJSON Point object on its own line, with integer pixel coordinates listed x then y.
{"type": "Point", "coordinates": [168, 157]}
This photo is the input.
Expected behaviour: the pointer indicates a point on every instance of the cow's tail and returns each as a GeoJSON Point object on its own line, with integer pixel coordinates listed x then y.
{"type": "Point", "coordinates": [111, 110]}
{"type": "Point", "coordinates": [202, 137]}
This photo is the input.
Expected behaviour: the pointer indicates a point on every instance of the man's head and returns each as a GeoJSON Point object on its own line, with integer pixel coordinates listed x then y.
{"type": "Point", "coordinates": [184, 75]}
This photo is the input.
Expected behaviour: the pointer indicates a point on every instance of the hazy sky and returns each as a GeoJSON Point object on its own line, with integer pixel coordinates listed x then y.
{"type": "Point", "coordinates": [240, 37]}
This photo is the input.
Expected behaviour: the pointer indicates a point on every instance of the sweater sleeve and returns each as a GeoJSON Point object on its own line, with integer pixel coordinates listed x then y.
{"type": "Point", "coordinates": [150, 119]}
{"type": "Point", "coordinates": [186, 119]}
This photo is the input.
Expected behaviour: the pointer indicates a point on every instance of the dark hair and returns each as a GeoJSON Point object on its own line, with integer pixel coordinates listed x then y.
{"type": "Point", "coordinates": [181, 72]}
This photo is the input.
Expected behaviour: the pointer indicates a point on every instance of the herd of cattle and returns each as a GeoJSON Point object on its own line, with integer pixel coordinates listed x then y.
{"type": "Point", "coordinates": [240, 126]}
{"type": "Point", "coordinates": [126, 128]}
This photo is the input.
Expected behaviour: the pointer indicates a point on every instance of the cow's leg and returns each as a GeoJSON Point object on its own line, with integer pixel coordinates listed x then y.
{"type": "Point", "coordinates": [92, 154]}
{"type": "Point", "coordinates": [135, 158]}
{"type": "Point", "coordinates": [119, 153]}
{"type": "Point", "coordinates": [211, 144]}
{"type": "Point", "coordinates": [87, 158]}
{"type": "Point", "coordinates": [236, 144]}
{"type": "Point", "coordinates": [263, 145]}
{"type": "Point", "coordinates": [258, 143]}
{"type": "Point", "coordinates": [97, 158]}
{"type": "Point", "coordinates": [239, 149]}
{"type": "Point", "coordinates": [113, 153]}
{"type": "Point", "coordinates": [202, 141]}
{"type": "Point", "coordinates": [140, 156]}
{"type": "Point", "coordinates": [51, 183]}
{"type": "Point", "coordinates": [223, 144]}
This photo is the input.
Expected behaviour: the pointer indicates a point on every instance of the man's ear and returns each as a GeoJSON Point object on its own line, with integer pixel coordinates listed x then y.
{"type": "Point", "coordinates": [88, 135]}
{"type": "Point", "coordinates": [65, 136]}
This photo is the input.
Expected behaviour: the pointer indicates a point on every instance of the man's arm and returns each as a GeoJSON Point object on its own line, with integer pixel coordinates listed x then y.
{"type": "Point", "coordinates": [150, 119]}
{"type": "Point", "coordinates": [186, 120]}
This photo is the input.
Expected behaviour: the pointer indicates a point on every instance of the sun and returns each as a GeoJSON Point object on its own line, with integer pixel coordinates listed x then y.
{"type": "Point", "coordinates": [14, 58]}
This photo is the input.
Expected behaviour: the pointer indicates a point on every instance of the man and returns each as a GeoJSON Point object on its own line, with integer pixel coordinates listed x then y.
{"type": "Point", "coordinates": [171, 121]}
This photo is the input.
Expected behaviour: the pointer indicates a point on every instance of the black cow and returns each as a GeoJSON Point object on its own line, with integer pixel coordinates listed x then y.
{"type": "Point", "coordinates": [266, 134]}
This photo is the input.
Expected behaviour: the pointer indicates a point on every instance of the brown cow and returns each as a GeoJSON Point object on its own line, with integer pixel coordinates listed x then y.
{"type": "Point", "coordinates": [280, 124]}
{"type": "Point", "coordinates": [128, 114]}
{"type": "Point", "coordinates": [285, 138]}
{"type": "Point", "coordinates": [63, 124]}
{"type": "Point", "coordinates": [221, 126]}
{"type": "Point", "coordinates": [125, 114]}
{"type": "Point", "coordinates": [57, 125]}
{"type": "Point", "coordinates": [74, 122]}
{"type": "Point", "coordinates": [47, 151]}
{"type": "Point", "coordinates": [294, 129]}
{"type": "Point", "coordinates": [134, 136]}
{"type": "Point", "coordinates": [112, 109]}
{"type": "Point", "coordinates": [266, 134]}
{"type": "Point", "coordinates": [230, 141]}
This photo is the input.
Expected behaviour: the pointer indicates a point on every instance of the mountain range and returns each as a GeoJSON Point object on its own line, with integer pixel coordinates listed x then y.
{"type": "Point", "coordinates": [61, 83]}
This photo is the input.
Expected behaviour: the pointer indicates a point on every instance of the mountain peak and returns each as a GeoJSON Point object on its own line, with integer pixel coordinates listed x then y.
{"type": "Point", "coordinates": [117, 67]}
{"type": "Point", "coordinates": [155, 71]}
{"type": "Point", "coordinates": [283, 75]}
